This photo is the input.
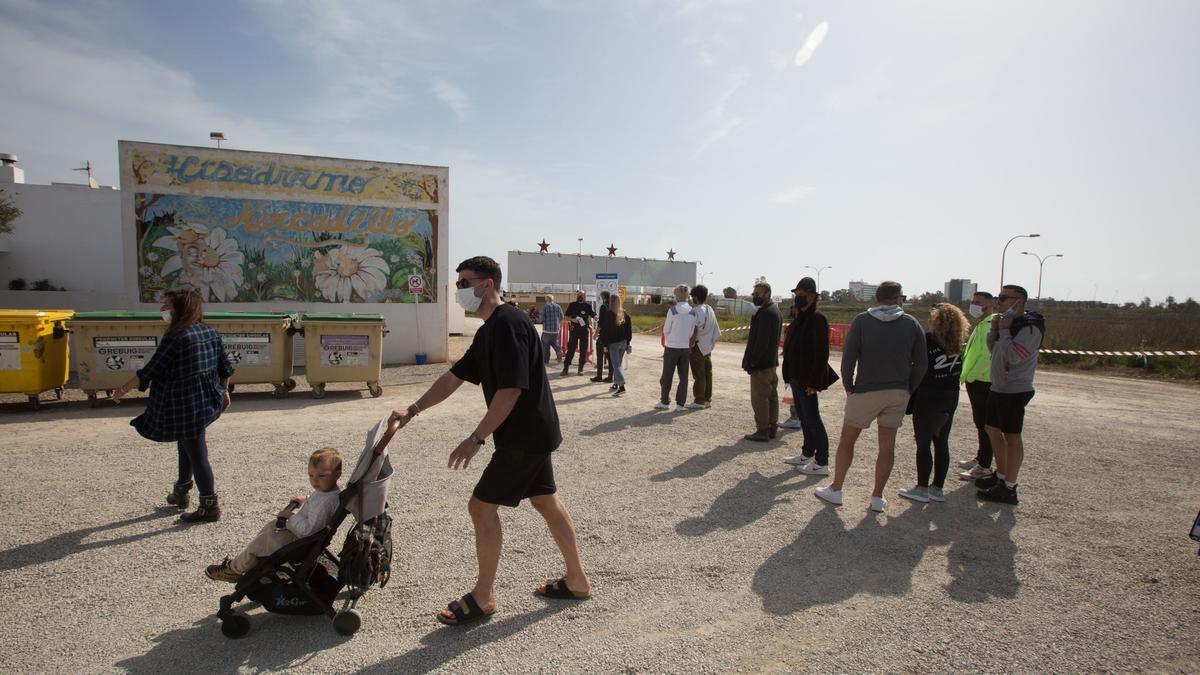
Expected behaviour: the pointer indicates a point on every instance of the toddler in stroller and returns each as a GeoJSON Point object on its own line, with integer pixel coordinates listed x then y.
{"type": "Point", "coordinates": [292, 579]}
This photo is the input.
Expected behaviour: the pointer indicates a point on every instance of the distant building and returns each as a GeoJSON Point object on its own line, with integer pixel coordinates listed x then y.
{"type": "Point", "coordinates": [959, 290]}
{"type": "Point", "coordinates": [863, 292]}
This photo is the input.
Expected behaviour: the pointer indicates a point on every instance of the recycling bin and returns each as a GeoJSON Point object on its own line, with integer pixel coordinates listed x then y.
{"type": "Point", "coordinates": [33, 352]}
{"type": "Point", "coordinates": [110, 347]}
{"type": "Point", "coordinates": [259, 346]}
{"type": "Point", "coordinates": [342, 348]}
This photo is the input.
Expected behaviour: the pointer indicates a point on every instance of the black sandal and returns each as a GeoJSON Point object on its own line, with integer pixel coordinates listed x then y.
{"type": "Point", "coordinates": [557, 589]}
{"type": "Point", "coordinates": [461, 617]}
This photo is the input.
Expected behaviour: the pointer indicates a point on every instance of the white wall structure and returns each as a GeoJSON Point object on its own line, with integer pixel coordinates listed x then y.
{"type": "Point", "coordinates": [532, 271]}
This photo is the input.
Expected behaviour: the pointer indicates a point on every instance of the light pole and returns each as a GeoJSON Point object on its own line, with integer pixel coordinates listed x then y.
{"type": "Point", "coordinates": [1005, 252]}
{"type": "Point", "coordinates": [818, 271]}
{"type": "Point", "coordinates": [578, 259]}
{"type": "Point", "coordinates": [1041, 261]}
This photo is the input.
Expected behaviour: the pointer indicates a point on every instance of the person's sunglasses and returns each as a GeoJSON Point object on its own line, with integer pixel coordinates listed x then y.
{"type": "Point", "coordinates": [1002, 298]}
{"type": "Point", "coordinates": [466, 283]}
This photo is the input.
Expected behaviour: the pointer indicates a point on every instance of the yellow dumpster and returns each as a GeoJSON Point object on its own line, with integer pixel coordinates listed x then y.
{"type": "Point", "coordinates": [110, 347]}
{"type": "Point", "coordinates": [259, 345]}
{"type": "Point", "coordinates": [342, 348]}
{"type": "Point", "coordinates": [33, 352]}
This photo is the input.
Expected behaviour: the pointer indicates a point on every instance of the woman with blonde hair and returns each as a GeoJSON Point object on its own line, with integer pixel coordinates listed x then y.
{"type": "Point", "coordinates": [618, 333]}
{"type": "Point", "coordinates": [933, 403]}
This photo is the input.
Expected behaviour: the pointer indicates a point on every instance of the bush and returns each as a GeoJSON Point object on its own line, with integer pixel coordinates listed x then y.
{"type": "Point", "coordinates": [17, 284]}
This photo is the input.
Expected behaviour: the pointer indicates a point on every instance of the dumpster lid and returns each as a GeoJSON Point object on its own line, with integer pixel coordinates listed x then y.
{"type": "Point", "coordinates": [35, 314]}
{"type": "Point", "coordinates": [118, 316]}
{"type": "Point", "coordinates": [248, 316]}
{"type": "Point", "coordinates": [346, 317]}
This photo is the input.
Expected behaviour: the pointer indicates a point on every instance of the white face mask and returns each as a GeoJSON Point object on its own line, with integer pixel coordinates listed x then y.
{"type": "Point", "coordinates": [975, 311]}
{"type": "Point", "coordinates": [467, 300]}
{"type": "Point", "coordinates": [166, 315]}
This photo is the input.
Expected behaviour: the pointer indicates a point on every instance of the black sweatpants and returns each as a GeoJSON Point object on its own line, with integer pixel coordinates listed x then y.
{"type": "Point", "coordinates": [977, 392]}
{"type": "Point", "coordinates": [577, 341]}
{"type": "Point", "coordinates": [933, 415]}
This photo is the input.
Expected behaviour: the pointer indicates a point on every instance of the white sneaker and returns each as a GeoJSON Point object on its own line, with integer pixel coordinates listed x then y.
{"type": "Point", "coordinates": [708, 404]}
{"type": "Point", "coordinates": [680, 408]}
{"type": "Point", "coordinates": [969, 463]}
{"type": "Point", "coordinates": [661, 406]}
{"type": "Point", "coordinates": [790, 423]}
{"type": "Point", "coordinates": [975, 472]}
{"type": "Point", "coordinates": [695, 406]}
{"type": "Point", "coordinates": [916, 493]}
{"type": "Point", "coordinates": [797, 460]}
{"type": "Point", "coordinates": [878, 504]}
{"type": "Point", "coordinates": [830, 495]}
{"type": "Point", "coordinates": [814, 469]}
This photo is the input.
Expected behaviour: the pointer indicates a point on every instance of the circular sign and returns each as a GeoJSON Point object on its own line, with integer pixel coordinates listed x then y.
{"type": "Point", "coordinates": [416, 283]}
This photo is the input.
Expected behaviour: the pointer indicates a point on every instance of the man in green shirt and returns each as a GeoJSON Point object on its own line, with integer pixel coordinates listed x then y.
{"type": "Point", "coordinates": [976, 374]}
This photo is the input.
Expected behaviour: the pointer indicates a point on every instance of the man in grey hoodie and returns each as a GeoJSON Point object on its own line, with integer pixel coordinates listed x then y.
{"type": "Point", "coordinates": [887, 347]}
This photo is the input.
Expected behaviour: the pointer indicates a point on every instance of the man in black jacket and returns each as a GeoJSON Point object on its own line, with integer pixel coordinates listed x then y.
{"type": "Point", "coordinates": [602, 340]}
{"type": "Point", "coordinates": [760, 360]}
{"type": "Point", "coordinates": [580, 314]}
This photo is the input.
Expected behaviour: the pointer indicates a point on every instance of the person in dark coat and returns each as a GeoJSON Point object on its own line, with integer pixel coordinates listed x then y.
{"type": "Point", "coordinates": [760, 361]}
{"type": "Point", "coordinates": [187, 377]}
{"type": "Point", "coordinates": [806, 369]}
{"type": "Point", "coordinates": [580, 314]}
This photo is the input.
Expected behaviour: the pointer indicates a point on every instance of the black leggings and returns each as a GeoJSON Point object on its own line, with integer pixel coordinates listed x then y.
{"type": "Point", "coordinates": [977, 392]}
{"type": "Point", "coordinates": [933, 415]}
{"type": "Point", "coordinates": [193, 461]}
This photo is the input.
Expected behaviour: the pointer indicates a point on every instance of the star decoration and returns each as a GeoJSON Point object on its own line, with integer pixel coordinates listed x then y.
{"type": "Point", "coordinates": [671, 255]}
{"type": "Point", "coordinates": [612, 250]}
{"type": "Point", "coordinates": [543, 246]}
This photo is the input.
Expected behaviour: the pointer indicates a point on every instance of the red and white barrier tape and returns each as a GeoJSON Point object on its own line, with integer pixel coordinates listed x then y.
{"type": "Point", "coordinates": [1081, 352]}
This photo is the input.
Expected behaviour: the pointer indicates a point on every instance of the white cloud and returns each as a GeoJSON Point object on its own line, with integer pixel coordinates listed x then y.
{"type": "Point", "coordinates": [815, 38]}
{"type": "Point", "coordinates": [791, 195]}
{"type": "Point", "coordinates": [452, 96]}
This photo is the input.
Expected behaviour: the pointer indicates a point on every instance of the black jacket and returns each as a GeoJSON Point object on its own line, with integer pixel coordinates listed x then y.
{"type": "Point", "coordinates": [762, 347]}
{"type": "Point", "coordinates": [610, 332]}
{"type": "Point", "coordinates": [806, 351]}
{"type": "Point", "coordinates": [578, 309]}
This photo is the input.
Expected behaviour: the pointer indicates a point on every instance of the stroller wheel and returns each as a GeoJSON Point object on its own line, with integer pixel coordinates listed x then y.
{"type": "Point", "coordinates": [347, 621]}
{"type": "Point", "coordinates": [235, 626]}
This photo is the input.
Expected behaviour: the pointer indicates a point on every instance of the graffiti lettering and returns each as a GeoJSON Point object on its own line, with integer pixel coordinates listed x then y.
{"type": "Point", "coordinates": [189, 169]}
{"type": "Point", "coordinates": [257, 217]}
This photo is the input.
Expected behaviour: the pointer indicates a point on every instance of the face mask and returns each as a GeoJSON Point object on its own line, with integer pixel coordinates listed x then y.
{"type": "Point", "coordinates": [467, 300]}
{"type": "Point", "coordinates": [975, 311]}
{"type": "Point", "coordinates": [758, 302]}
{"type": "Point", "coordinates": [167, 315]}
{"type": "Point", "coordinates": [1010, 312]}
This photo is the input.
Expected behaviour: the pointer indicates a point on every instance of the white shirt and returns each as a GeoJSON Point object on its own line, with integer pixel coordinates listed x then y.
{"type": "Point", "coordinates": [315, 514]}
{"type": "Point", "coordinates": [709, 330]}
{"type": "Point", "coordinates": [681, 322]}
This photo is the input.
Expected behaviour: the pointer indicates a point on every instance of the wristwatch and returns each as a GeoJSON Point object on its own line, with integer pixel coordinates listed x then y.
{"type": "Point", "coordinates": [474, 438]}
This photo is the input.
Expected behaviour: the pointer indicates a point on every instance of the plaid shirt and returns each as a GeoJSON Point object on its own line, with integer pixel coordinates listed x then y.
{"type": "Point", "coordinates": [184, 377]}
{"type": "Point", "coordinates": [552, 317]}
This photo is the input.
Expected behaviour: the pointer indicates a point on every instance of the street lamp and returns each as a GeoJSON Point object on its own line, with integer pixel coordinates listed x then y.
{"type": "Point", "coordinates": [1005, 252]}
{"type": "Point", "coordinates": [1041, 261]}
{"type": "Point", "coordinates": [818, 271]}
{"type": "Point", "coordinates": [578, 274]}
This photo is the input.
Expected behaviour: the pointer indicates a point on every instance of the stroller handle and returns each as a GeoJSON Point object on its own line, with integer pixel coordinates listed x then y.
{"type": "Point", "coordinates": [386, 438]}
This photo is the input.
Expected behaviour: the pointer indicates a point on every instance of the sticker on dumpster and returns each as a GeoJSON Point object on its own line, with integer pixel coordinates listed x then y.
{"type": "Point", "coordinates": [10, 350]}
{"type": "Point", "coordinates": [344, 351]}
{"type": "Point", "coordinates": [118, 353]}
{"type": "Point", "coordinates": [247, 349]}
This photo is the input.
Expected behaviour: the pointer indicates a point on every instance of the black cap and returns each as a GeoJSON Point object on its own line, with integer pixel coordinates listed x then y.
{"type": "Point", "coordinates": [806, 284]}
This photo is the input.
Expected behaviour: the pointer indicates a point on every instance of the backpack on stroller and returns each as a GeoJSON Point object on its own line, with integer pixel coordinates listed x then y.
{"type": "Point", "coordinates": [296, 579]}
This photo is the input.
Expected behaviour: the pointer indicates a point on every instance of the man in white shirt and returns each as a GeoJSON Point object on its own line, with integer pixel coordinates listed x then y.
{"type": "Point", "coordinates": [700, 356]}
{"type": "Point", "coordinates": [680, 332]}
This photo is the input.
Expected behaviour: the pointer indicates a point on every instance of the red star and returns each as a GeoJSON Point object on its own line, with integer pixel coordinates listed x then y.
{"type": "Point", "coordinates": [544, 246]}
{"type": "Point", "coordinates": [671, 254]}
{"type": "Point", "coordinates": [612, 250]}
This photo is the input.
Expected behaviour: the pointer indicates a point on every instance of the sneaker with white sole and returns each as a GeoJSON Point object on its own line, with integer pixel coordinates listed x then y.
{"type": "Point", "coordinates": [814, 469]}
{"type": "Point", "coordinates": [829, 494]}
{"type": "Point", "coordinates": [878, 504]}
{"type": "Point", "coordinates": [936, 494]}
{"type": "Point", "coordinates": [790, 423]}
{"type": "Point", "coordinates": [661, 406]}
{"type": "Point", "coordinates": [969, 463]}
{"type": "Point", "coordinates": [680, 408]}
{"type": "Point", "coordinates": [916, 493]}
{"type": "Point", "coordinates": [798, 460]}
{"type": "Point", "coordinates": [695, 406]}
{"type": "Point", "coordinates": [708, 404]}
{"type": "Point", "coordinates": [976, 472]}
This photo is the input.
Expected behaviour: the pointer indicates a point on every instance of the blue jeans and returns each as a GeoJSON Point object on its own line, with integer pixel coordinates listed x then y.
{"type": "Point", "coordinates": [616, 355]}
{"type": "Point", "coordinates": [816, 440]}
{"type": "Point", "coordinates": [550, 341]}
{"type": "Point", "coordinates": [193, 460]}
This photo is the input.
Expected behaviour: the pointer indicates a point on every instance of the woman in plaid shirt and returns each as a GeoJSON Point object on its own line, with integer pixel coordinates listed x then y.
{"type": "Point", "coordinates": [187, 377]}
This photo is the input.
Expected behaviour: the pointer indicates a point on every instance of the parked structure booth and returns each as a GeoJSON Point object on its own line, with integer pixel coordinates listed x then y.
{"type": "Point", "coordinates": [342, 348]}
{"type": "Point", "coordinates": [259, 346]}
{"type": "Point", "coordinates": [33, 352]}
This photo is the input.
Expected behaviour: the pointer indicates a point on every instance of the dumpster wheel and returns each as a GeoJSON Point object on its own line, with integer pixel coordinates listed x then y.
{"type": "Point", "coordinates": [280, 391]}
{"type": "Point", "coordinates": [34, 402]}
{"type": "Point", "coordinates": [376, 389]}
{"type": "Point", "coordinates": [93, 401]}
{"type": "Point", "coordinates": [318, 390]}
{"type": "Point", "coordinates": [58, 393]}
{"type": "Point", "coordinates": [290, 384]}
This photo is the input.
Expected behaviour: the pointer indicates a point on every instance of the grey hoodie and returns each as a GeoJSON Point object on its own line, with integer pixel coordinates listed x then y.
{"type": "Point", "coordinates": [1014, 359]}
{"type": "Point", "coordinates": [888, 348]}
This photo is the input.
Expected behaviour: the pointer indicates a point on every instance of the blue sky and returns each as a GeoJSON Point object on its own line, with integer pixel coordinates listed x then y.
{"type": "Point", "coordinates": [903, 140]}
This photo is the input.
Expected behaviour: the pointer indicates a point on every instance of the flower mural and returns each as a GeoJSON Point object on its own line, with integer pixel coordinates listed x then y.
{"type": "Point", "coordinates": [349, 269]}
{"type": "Point", "coordinates": [208, 261]}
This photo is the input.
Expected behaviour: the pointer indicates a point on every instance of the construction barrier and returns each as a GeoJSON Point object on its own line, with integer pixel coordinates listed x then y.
{"type": "Point", "coordinates": [564, 337]}
{"type": "Point", "coordinates": [1081, 352]}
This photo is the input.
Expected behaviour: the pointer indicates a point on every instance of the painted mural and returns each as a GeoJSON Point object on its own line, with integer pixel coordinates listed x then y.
{"type": "Point", "coordinates": [258, 227]}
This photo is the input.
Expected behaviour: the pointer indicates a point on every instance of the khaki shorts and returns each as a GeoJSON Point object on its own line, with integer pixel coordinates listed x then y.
{"type": "Point", "coordinates": [887, 406]}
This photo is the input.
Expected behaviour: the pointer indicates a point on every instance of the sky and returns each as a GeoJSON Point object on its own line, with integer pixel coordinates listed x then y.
{"type": "Point", "coordinates": [881, 139]}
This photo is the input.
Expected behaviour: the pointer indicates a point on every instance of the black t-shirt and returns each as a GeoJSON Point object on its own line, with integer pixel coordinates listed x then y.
{"type": "Point", "coordinates": [581, 309]}
{"type": "Point", "coordinates": [507, 352]}
{"type": "Point", "coordinates": [944, 369]}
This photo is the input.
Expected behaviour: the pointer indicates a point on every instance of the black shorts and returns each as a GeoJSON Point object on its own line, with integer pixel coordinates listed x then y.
{"type": "Point", "coordinates": [1006, 412]}
{"type": "Point", "coordinates": [512, 476]}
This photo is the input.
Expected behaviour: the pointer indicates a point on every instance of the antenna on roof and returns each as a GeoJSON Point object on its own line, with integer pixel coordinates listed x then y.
{"type": "Point", "coordinates": [87, 166]}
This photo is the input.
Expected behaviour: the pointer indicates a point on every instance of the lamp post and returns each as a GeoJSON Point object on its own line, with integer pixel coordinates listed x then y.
{"type": "Point", "coordinates": [1041, 261]}
{"type": "Point", "coordinates": [1005, 252]}
{"type": "Point", "coordinates": [818, 271]}
{"type": "Point", "coordinates": [578, 259]}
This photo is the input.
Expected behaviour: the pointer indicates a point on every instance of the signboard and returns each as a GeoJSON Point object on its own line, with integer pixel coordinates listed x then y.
{"type": "Point", "coordinates": [122, 353]}
{"type": "Point", "coordinates": [10, 350]}
{"type": "Point", "coordinates": [416, 283]}
{"type": "Point", "coordinates": [247, 349]}
{"type": "Point", "coordinates": [262, 227]}
{"type": "Point", "coordinates": [344, 351]}
{"type": "Point", "coordinates": [606, 282]}
{"type": "Point", "coordinates": [621, 292]}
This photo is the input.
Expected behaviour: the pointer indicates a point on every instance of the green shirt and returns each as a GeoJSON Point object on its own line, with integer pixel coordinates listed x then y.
{"type": "Point", "coordinates": [977, 358]}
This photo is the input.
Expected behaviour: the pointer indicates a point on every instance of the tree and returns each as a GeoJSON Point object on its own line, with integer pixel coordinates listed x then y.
{"type": "Point", "coordinates": [824, 296]}
{"type": "Point", "coordinates": [9, 212]}
{"type": "Point", "coordinates": [841, 295]}
{"type": "Point", "coordinates": [729, 292]}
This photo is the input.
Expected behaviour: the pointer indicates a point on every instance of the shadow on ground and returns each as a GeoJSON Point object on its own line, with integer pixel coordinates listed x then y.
{"type": "Point", "coordinates": [69, 543]}
{"type": "Point", "coordinates": [640, 420]}
{"type": "Point", "coordinates": [752, 498]}
{"type": "Point", "coordinates": [698, 465]}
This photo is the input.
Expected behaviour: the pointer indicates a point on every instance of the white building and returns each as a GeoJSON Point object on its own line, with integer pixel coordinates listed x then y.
{"type": "Point", "coordinates": [863, 292]}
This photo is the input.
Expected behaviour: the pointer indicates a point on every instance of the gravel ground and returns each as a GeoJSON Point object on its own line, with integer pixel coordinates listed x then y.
{"type": "Point", "coordinates": [705, 551]}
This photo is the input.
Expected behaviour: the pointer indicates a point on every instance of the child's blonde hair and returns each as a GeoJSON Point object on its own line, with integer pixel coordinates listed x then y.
{"type": "Point", "coordinates": [330, 455]}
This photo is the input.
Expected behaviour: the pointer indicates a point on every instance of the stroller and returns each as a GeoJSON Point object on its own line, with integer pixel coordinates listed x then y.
{"type": "Point", "coordinates": [295, 579]}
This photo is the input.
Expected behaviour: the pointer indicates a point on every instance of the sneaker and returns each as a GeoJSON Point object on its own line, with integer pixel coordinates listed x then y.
{"type": "Point", "coordinates": [829, 494]}
{"type": "Point", "coordinates": [969, 463]}
{"type": "Point", "coordinates": [916, 493]}
{"type": "Point", "coordinates": [878, 504]}
{"type": "Point", "coordinates": [614, 386]}
{"type": "Point", "coordinates": [798, 460]}
{"type": "Point", "coordinates": [760, 436]}
{"type": "Point", "coordinates": [608, 379]}
{"type": "Point", "coordinates": [620, 390]}
{"type": "Point", "coordinates": [814, 469]}
{"type": "Point", "coordinates": [222, 572]}
{"type": "Point", "coordinates": [936, 494]}
{"type": "Point", "coordinates": [679, 407]}
{"type": "Point", "coordinates": [707, 404]}
{"type": "Point", "coordinates": [987, 482]}
{"type": "Point", "coordinates": [597, 379]}
{"type": "Point", "coordinates": [976, 472]}
{"type": "Point", "coordinates": [999, 493]}
{"type": "Point", "coordinates": [695, 406]}
{"type": "Point", "coordinates": [661, 406]}
{"type": "Point", "coordinates": [565, 372]}
{"type": "Point", "coordinates": [790, 423]}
